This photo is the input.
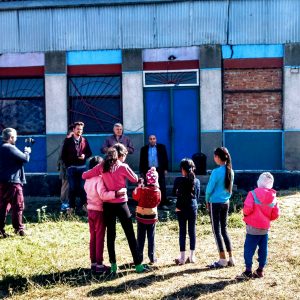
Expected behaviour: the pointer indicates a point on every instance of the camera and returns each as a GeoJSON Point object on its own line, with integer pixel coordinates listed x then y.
{"type": "Point", "coordinates": [29, 142]}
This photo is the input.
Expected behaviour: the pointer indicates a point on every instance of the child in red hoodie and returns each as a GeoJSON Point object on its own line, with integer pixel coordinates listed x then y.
{"type": "Point", "coordinates": [146, 212]}
{"type": "Point", "coordinates": [260, 208]}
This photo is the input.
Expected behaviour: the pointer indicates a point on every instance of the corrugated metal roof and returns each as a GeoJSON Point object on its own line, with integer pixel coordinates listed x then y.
{"type": "Point", "coordinates": [172, 24]}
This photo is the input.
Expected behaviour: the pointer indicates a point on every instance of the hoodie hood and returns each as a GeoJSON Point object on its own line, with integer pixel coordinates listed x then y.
{"type": "Point", "coordinates": [265, 195]}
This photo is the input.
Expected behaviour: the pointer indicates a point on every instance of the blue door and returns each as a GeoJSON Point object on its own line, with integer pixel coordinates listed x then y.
{"type": "Point", "coordinates": [172, 114]}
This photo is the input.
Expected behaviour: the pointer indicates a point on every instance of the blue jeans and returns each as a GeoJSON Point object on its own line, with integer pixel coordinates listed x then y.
{"type": "Point", "coordinates": [187, 217]}
{"type": "Point", "coordinates": [76, 186]}
{"type": "Point", "coordinates": [251, 243]}
{"type": "Point", "coordinates": [142, 230]}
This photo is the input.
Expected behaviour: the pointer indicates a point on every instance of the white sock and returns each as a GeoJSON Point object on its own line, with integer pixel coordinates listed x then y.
{"type": "Point", "coordinates": [223, 262]}
{"type": "Point", "coordinates": [192, 256]}
{"type": "Point", "coordinates": [182, 256]}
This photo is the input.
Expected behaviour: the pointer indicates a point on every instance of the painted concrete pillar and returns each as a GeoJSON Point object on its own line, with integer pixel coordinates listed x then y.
{"type": "Point", "coordinates": [291, 109]}
{"type": "Point", "coordinates": [210, 100]}
{"type": "Point", "coordinates": [56, 105]}
{"type": "Point", "coordinates": [132, 95]}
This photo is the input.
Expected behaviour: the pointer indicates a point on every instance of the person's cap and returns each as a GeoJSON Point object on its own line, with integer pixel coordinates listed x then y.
{"type": "Point", "coordinates": [265, 180]}
{"type": "Point", "coordinates": [152, 177]}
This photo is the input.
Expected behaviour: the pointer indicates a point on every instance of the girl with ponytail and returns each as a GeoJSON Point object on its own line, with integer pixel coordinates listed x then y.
{"type": "Point", "coordinates": [218, 193]}
{"type": "Point", "coordinates": [187, 191]}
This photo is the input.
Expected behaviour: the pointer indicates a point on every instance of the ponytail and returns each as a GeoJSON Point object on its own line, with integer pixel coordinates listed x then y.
{"type": "Point", "coordinates": [189, 167]}
{"type": "Point", "coordinates": [224, 156]}
{"type": "Point", "coordinates": [110, 159]}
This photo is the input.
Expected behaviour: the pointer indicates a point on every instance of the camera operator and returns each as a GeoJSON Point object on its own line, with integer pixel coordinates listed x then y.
{"type": "Point", "coordinates": [12, 178]}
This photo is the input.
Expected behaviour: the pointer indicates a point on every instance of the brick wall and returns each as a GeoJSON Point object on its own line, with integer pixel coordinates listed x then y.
{"type": "Point", "coordinates": [252, 99]}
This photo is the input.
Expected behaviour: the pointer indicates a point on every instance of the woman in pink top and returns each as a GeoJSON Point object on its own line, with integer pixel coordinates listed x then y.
{"type": "Point", "coordinates": [114, 174]}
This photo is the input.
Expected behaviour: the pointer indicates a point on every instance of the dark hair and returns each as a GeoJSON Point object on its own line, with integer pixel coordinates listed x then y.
{"type": "Point", "coordinates": [188, 166]}
{"type": "Point", "coordinates": [110, 159]}
{"type": "Point", "coordinates": [224, 156]}
{"type": "Point", "coordinates": [121, 149]}
{"type": "Point", "coordinates": [78, 123]}
{"type": "Point", "coordinates": [94, 161]}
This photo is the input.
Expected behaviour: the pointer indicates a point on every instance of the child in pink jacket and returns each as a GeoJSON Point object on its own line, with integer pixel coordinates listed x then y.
{"type": "Point", "coordinates": [260, 208]}
{"type": "Point", "coordinates": [96, 193]}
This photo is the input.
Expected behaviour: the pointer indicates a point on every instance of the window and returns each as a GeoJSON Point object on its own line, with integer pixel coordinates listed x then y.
{"type": "Point", "coordinates": [96, 101]}
{"type": "Point", "coordinates": [22, 105]}
{"type": "Point", "coordinates": [174, 78]}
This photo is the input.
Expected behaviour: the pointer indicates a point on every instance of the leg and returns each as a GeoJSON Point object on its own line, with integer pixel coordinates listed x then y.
{"type": "Point", "coordinates": [109, 212]}
{"type": "Point", "coordinates": [192, 218]}
{"type": "Point", "coordinates": [223, 223]}
{"type": "Point", "coordinates": [141, 236]}
{"type": "Point", "coordinates": [100, 235]}
{"type": "Point", "coordinates": [215, 223]}
{"type": "Point", "coordinates": [64, 190]}
{"type": "Point", "coordinates": [263, 251]}
{"type": "Point", "coordinates": [151, 241]}
{"type": "Point", "coordinates": [17, 205]}
{"type": "Point", "coordinates": [81, 191]}
{"type": "Point", "coordinates": [91, 220]}
{"type": "Point", "coordinates": [72, 186]}
{"type": "Point", "coordinates": [249, 249]}
{"type": "Point", "coordinates": [124, 216]}
{"type": "Point", "coordinates": [182, 229]}
{"type": "Point", "coordinates": [162, 185]}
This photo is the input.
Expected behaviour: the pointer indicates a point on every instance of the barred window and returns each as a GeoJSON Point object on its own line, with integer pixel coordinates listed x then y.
{"type": "Point", "coordinates": [96, 101]}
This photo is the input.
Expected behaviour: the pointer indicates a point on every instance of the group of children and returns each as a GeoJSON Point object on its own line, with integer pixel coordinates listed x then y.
{"type": "Point", "coordinates": [105, 186]}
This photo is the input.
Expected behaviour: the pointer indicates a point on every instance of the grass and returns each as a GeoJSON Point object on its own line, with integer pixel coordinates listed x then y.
{"type": "Point", "coordinates": [52, 262]}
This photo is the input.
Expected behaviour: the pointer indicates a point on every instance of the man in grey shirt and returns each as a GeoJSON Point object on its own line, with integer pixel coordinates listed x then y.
{"type": "Point", "coordinates": [117, 137]}
{"type": "Point", "coordinates": [12, 178]}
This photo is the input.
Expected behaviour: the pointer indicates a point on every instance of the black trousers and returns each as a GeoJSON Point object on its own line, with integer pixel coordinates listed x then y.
{"type": "Point", "coordinates": [218, 217]}
{"type": "Point", "coordinates": [111, 212]}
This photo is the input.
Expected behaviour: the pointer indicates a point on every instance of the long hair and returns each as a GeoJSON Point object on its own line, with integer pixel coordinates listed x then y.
{"type": "Point", "coordinates": [121, 149]}
{"type": "Point", "coordinates": [110, 159]}
{"type": "Point", "coordinates": [188, 166]}
{"type": "Point", "coordinates": [224, 156]}
{"type": "Point", "coordinates": [94, 161]}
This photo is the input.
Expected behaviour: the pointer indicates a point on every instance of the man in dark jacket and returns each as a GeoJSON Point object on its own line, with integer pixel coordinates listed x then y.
{"type": "Point", "coordinates": [155, 155]}
{"type": "Point", "coordinates": [75, 151]}
{"type": "Point", "coordinates": [12, 178]}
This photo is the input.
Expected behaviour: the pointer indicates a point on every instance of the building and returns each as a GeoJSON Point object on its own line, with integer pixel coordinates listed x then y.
{"type": "Point", "coordinates": [198, 74]}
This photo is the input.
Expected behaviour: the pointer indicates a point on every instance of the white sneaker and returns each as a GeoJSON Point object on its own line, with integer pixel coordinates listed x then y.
{"type": "Point", "coordinates": [231, 262]}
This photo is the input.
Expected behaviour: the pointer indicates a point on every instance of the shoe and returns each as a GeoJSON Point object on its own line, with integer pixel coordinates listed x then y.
{"type": "Point", "coordinates": [4, 234]}
{"type": "Point", "coordinates": [191, 260]}
{"type": "Point", "coordinates": [113, 268]}
{"type": "Point", "coordinates": [231, 262]}
{"type": "Point", "coordinates": [140, 268]}
{"type": "Point", "coordinates": [100, 269]}
{"type": "Point", "coordinates": [153, 262]}
{"type": "Point", "coordinates": [244, 276]}
{"type": "Point", "coordinates": [179, 262]}
{"type": "Point", "coordinates": [217, 265]}
{"type": "Point", "coordinates": [22, 233]}
{"type": "Point", "coordinates": [70, 211]}
{"type": "Point", "coordinates": [258, 273]}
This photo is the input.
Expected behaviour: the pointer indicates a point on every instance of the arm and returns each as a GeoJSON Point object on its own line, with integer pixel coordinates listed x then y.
{"type": "Point", "coordinates": [88, 151]}
{"type": "Point", "coordinates": [105, 146]}
{"type": "Point", "coordinates": [96, 171]}
{"type": "Point", "coordinates": [129, 174]}
{"type": "Point", "coordinates": [175, 187]}
{"type": "Point", "coordinates": [210, 186]}
{"type": "Point", "coordinates": [197, 190]}
{"type": "Point", "coordinates": [103, 193]}
{"type": "Point", "coordinates": [164, 158]}
{"type": "Point", "coordinates": [275, 212]}
{"type": "Point", "coordinates": [136, 194]}
{"type": "Point", "coordinates": [129, 146]}
{"type": "Point", "coordinates": [19, 155]}
{"type": "Point", "coordinates": [248, 205]}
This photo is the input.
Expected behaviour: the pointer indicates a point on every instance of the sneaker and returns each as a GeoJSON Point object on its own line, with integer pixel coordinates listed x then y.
{"type": "Point", "coordinates": [231, 262]}
{"type": "Point", "coordinates": [113, 268]}
{"type": "Point", "coordinates": [21, 233]}
{"type": "Point", "coordinates": [245, 276]}
{"type": "Point", "coordinates": [218, 264]}
{"type": "Point", "coordinates": [140, 268]}
{"type": "Point", "coordinates": [258, 273]}
{"type": "Point", "coordinates": [93, 267]}
{"type": "Point", "coordinates": [153, 262]}
{"type": "Point", "coordinates": [3, 234]}
{"type": "Point", "coordinates": [179, 262]}
{"type": "Point", "coordinates": [100, 269]}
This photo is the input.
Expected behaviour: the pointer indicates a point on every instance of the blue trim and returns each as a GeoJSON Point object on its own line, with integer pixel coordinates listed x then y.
{"type": "Point", "coordinates": [132, 72]}
{"type": "Point", "coordinates": [256, 130]}
{"type": "Point", "coordinates": [283, 150]}
{"type": "Point", "coordinates": [99, 57]}
{"type": "Point", "coordinates": [252, 51]}
{"type": "Point", "coordinates": [292, 67]}
{"type": "Point", "coordinates": [211, 131]}
{"type": "Point", "coordinates": [292, 130]}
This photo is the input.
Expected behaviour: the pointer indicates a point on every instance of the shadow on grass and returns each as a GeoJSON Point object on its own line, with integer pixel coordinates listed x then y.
{"type": "Point", "coordinates": [74, 277]}
{"type": "Point", "coordinates": [195, 290]}
{"type": "Point", "coordinates": [142, 282]}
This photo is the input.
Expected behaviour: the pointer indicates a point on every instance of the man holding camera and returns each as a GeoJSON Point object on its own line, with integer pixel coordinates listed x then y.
{"type": "Point", "coordinates": [75, 151]}
{"type": "Point", "coordinates": [12, 178]}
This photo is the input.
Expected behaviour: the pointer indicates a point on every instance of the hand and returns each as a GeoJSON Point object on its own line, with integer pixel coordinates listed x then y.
{"type": "Point", "coordinates": [82, 157]}
{"type": "Point", "coordinates": [176, 209]}
{"type": "Point", "coordinates": [27, 150]}
{"type": "Point", "coordinates": [121, 192]}
{"type": "Point", "coordinates": [207, 206]}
